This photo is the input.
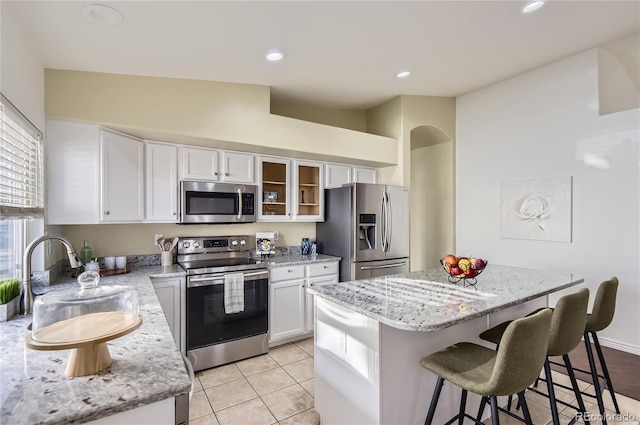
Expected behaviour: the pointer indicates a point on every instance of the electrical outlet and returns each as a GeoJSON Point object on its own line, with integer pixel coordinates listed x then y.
{"type": "Point", "coordinates": [156, 238]}
{"type": "Point", "coordinates": [342, 343]}
{"type": "Point", "coordinates": [276, 235]}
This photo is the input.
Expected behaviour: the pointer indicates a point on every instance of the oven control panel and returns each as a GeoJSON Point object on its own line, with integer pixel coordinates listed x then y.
{"type": "Point", "coordinates": [201, 245]}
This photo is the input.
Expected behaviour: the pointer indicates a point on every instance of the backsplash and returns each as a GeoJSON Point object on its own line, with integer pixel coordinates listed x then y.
{"type": "Point", "coordinates": [62, 267]}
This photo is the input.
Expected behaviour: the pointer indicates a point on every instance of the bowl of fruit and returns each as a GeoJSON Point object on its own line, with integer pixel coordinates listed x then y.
{"type": "Point", "coordinates": [463, 268]}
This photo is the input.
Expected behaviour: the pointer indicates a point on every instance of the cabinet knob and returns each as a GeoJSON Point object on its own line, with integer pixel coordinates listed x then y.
{"type": "Point", "coordinates": [226, 174]}
{"type": "Point", "coordinates": [215, 173]}
{"type": "Point", "coordinates": [173, 213]}
{"type": "Point", "coordinates": [107, 212]}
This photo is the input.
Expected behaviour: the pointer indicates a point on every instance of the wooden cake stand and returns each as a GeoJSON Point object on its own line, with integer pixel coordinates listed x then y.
{"type": "Point", "coordinates": [87, 338]}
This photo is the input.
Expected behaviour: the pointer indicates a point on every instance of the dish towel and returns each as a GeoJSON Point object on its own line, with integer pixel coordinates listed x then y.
{"type": "Point", "coordinates": [233, 293]}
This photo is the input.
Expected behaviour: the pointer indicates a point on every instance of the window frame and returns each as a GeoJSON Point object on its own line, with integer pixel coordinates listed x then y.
{"type": "Point", "coordinates": [23, 222]}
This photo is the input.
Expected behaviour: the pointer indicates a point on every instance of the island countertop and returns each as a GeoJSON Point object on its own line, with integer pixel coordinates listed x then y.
{"type": "Point", "coordinates": [147, 367]}
{"type": "Point", "coordinates": [426, 301]}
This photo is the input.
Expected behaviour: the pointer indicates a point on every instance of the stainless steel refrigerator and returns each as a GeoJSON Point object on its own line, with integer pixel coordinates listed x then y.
{"type": "Point", "coordinates": [368, 226]}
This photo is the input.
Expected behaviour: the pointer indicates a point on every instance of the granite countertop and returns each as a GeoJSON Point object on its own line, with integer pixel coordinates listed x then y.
{"type": "Point", "coordinates": [426, 301]}
{"type": "Point", "coordinates": [147, 367]}
{"type": "Point", "coordinates": [298, 259]}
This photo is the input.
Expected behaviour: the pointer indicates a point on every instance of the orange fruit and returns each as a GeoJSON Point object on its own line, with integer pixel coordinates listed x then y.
{"type": "Point", "coordinates": [451, 260]}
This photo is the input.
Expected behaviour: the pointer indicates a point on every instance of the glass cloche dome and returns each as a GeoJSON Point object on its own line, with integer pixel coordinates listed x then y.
{"type": "Point", "coordinates": [84, 313]}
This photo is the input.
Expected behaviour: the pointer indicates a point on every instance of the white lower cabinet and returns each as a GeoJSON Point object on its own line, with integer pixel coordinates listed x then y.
{"type": "Point", "coordinates": [171, 292]}
{"type": "Point", "coordinates": [286, 302]}
{"type": "Point", "coordinates": [291, 308]}
{"type": "Point", "coordinates": [317, 274]}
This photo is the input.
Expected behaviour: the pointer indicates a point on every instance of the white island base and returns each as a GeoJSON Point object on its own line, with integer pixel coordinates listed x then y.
{"type": "Point", "coordinates": [367, 372]}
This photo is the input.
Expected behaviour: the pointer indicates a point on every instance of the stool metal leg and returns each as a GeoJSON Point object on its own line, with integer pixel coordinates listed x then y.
{"type": "Point", "coordinates": [552, 394]}
{"type": "Point", "coordinates": [483, 403]}
{"type": "Point", "coordinates": [594, 377]}
{"type": "Point", "coordinates": [434, 401]}
{"type": "Point", "coordinates": [603, 365]}
{"type": "Point", "coordinates": [463, 405]}
{"type": "Point", "coordinates": [522, 401]}
{"type": "Point", "coordinates": [495, 419]}
{"type": "Point", "coordinates": [576, 390]}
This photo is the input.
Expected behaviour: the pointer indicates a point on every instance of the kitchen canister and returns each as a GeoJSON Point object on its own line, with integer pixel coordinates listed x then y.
{"type": "Point", "coordinates": [305, 246]}
{"type": "Point", "coordinates": [166, 258]}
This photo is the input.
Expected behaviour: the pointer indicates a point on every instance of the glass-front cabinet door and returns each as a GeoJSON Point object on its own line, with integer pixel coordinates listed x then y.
{"type": "Point", "coordinates": [309, 191]}
{"type": "Point", "coordinates": [274, 189]}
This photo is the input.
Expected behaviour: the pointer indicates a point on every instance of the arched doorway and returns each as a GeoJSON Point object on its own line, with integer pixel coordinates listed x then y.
{"type": "Point", "coordinates": [432, 196]}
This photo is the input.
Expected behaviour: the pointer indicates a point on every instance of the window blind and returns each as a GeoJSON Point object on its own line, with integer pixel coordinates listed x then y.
{"type": "Point", "coordinates": [21, 164]}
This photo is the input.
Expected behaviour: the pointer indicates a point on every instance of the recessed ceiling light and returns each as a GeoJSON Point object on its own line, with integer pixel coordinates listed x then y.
{"type": "Point", "coordinates": [101, 14]}
{"type": "Point", "coordinates": [403, 74]}
{"type": "Point", "coordinates": [532, 5]}
{"type": "Point", "coordinates": [274, 55]}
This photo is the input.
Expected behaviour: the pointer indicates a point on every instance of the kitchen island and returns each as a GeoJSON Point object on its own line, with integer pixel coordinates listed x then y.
{"type": "Point", "coordinates": [139, 387]}
{"type": "Point", "coordinates": [370, 335]}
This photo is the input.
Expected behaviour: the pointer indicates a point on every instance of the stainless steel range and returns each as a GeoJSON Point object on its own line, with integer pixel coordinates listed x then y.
{"type": "Point", "coordinates": [227, 300]}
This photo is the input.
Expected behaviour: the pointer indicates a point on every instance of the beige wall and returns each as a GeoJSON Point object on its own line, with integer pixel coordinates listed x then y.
{"type": "Point", "coordinates": [386, 120]}
{"type": "Point", "coordinates": [130, 239]}
{"type": "Point", "coordinates": [204, 113]}
{"type": "Point", "coordinates": [431, 202]}
{"type": "Point", "coordinates": [343, 118]}
{"type": "Point", "coordinates": [425, 129]}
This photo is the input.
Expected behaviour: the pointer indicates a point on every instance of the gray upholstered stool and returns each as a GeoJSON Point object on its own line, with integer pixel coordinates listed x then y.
{"type": "Point", "coordinates": [508, 370]}
{"type": "Point", "coordinates": [604, 307]}
{"type": "Point", "coordinates": [567, 326]}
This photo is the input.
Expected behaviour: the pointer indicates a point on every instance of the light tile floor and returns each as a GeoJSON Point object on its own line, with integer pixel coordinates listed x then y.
{"type": "Point", "coordinates": [277, 388]}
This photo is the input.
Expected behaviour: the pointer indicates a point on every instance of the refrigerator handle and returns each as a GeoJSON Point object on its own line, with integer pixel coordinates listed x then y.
{"type": "Point", "coordinates": [383, 222]}
{"type": "Point", "coordinates": [389, 221]}
{"type": "Point", "coordinates": [386, 266]}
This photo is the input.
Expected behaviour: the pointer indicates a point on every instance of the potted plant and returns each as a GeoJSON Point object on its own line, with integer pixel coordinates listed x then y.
{"type": "Point", "coordinates": [9, 298]}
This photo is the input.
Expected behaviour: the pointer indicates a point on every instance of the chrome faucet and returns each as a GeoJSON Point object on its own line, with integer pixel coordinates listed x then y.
{"type": "Point", "coordinates": [27, 292]}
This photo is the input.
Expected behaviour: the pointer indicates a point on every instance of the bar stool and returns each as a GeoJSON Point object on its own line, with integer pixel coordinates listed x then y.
{"type": "Point", "coordinates": [567, 326]}
{"type": "Point", "coordinates": [604, 307]}
{"type": "Point", "coordinates": [491, 373]}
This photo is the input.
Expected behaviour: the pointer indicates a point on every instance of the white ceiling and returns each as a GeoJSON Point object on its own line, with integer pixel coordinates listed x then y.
{"type": "Point", "coordinates": [340, 54]}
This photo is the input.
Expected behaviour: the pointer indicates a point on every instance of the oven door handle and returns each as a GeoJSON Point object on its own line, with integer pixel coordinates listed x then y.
{"type": "Point", "coordinates": [195, 282]}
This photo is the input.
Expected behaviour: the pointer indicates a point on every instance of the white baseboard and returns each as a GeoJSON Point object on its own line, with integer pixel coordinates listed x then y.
{"type": "Point", "coordinates": [616, 345]}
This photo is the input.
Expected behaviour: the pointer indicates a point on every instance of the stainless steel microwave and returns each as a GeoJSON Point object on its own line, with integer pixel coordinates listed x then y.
{"type": "Point", "coordinates": [211, 202]}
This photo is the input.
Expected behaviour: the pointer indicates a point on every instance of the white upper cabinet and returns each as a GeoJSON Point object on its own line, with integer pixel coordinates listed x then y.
{"type": "Point", "coordinates": [365, 175]}
{"type": "Point", "coordinates": [274, 181]}
{"type": "Point", "coordinates": [161, 182]}
{"type": "Point", "coordinates": [337, 175]}
{"type": "Point", "coordinates": [216, 165]}
{"type": "Point", "coordinates": [93, 175]}
{"type": "Point", "coordinates": [237, 167]}
{"type": "Point", "coordinates": [290, 190]}
{"type": "Point", "coordinates": [199, 164]}
{"type": "Point", "coordinates": [308, 197]}
{"type": "Point", "coordinates": [122, 178]}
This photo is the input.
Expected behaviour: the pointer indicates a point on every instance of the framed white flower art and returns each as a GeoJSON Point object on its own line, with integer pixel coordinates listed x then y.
{"type": "Point", "coordinates": [538, 209]}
